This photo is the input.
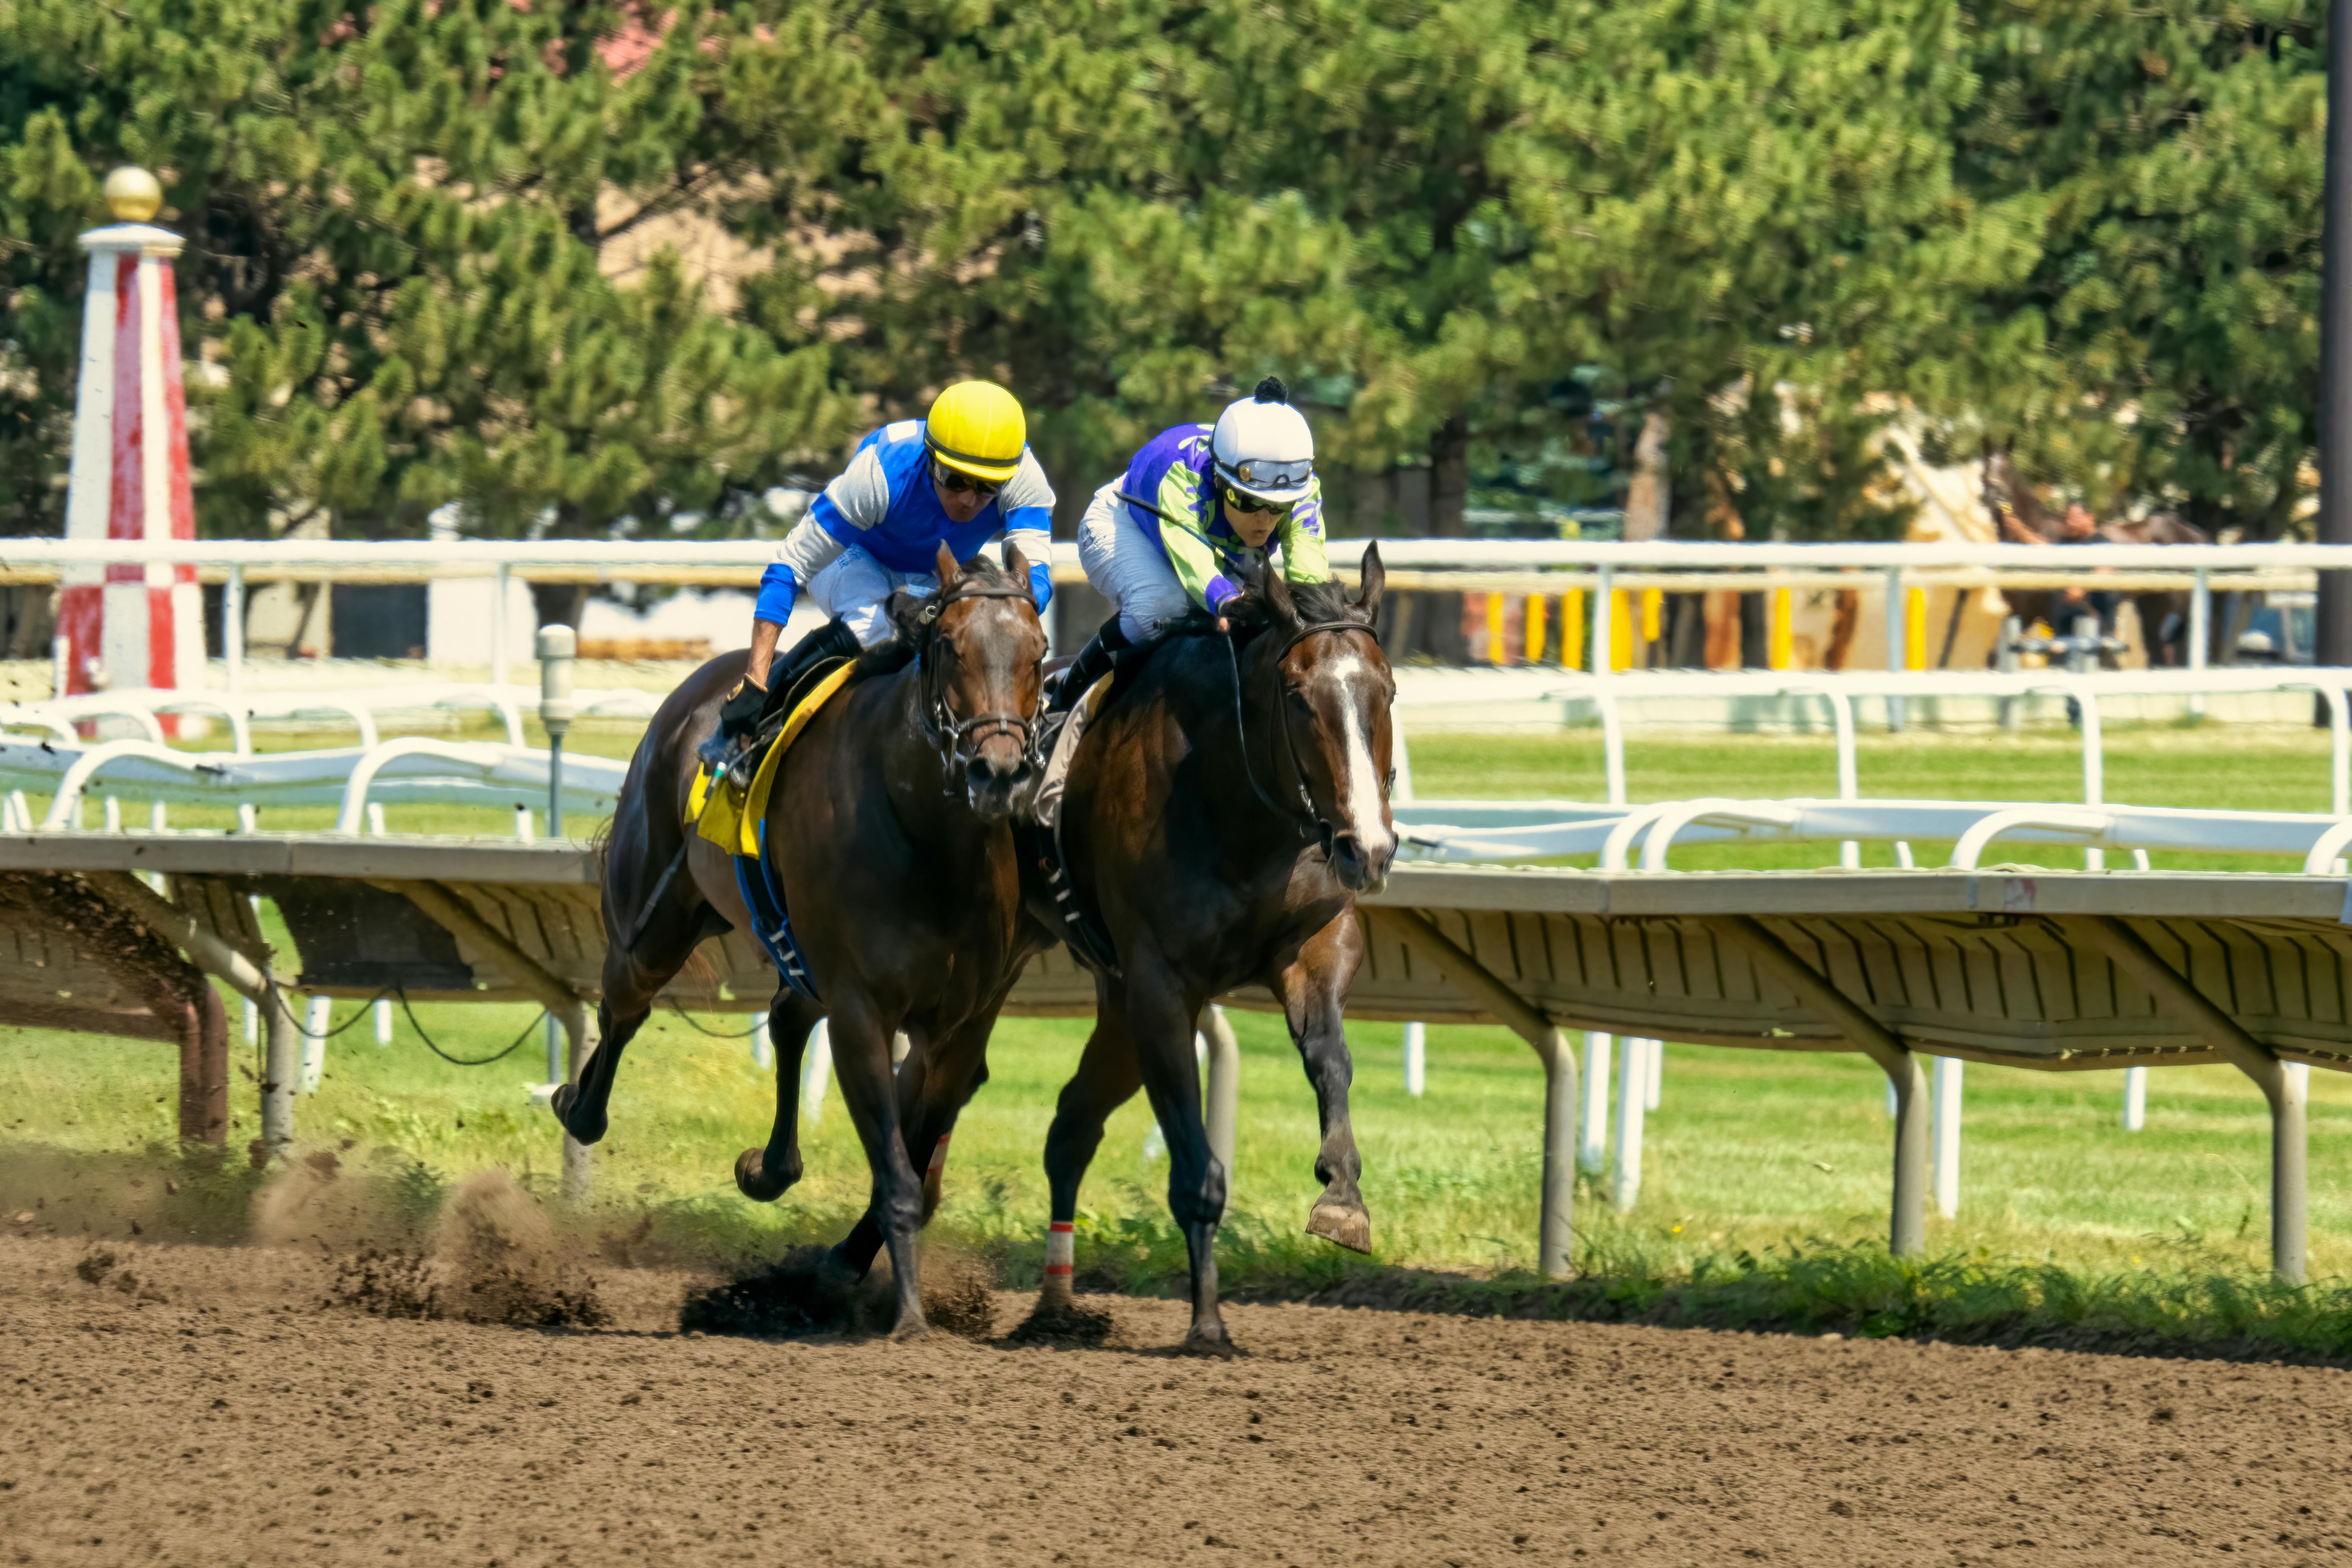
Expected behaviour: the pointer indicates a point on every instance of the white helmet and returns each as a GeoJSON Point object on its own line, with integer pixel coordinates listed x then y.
{"type": "Point", "coordinates": [1263, 447]}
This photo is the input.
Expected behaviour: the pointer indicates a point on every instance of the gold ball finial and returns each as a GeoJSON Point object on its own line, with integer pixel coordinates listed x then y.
{"type": "Point", "coordinates": [132, 195]}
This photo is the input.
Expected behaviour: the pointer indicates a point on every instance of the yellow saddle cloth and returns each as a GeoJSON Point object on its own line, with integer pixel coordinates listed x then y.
{"type": "Point", "coordinates": [729, 817]}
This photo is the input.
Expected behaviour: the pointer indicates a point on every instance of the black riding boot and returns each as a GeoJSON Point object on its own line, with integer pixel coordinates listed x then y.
{"type": "Point", "coordinates": [833, 640]}
{"type": "Point", "coordinates": [1093, 663]}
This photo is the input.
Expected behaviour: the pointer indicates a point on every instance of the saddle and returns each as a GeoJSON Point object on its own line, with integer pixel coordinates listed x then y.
{"type": "Point", "coordinates": [1037, 834]}
{"type": "Point", "coordinates": [734, 816]}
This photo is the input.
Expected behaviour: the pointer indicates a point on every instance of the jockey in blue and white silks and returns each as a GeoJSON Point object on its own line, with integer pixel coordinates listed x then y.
{"type": "Point", "coordinates": [962, 476]}
{"type": "Point", "coordinates": [1197, 512]}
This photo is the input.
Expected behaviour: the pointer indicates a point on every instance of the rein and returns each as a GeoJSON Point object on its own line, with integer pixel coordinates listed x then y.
{"type": "Point", "coordinates": [1309, 823]}
{"type": "Point", "coordinates": [960, 740]}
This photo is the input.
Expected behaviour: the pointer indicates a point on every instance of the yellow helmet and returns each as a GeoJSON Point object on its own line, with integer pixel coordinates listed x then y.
{"type": "Point", "coordinates": [977, 428]}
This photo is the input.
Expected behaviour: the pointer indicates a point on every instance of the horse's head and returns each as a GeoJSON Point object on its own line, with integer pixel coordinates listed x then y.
{"type": "Point", "coordinates": [1332, 731]}
{"type": "Point", "coordinates": [980, 648]}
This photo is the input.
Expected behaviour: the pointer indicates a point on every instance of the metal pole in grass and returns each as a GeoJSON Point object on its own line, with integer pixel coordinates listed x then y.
{"type": "Point", "coordinates": [1417, 1059]}
{"type": "Point", "coordinates": [1593, 1146]}
{"type": "Point", "coordinates": [2285, 1088]}
{"type": "Point", "coordinates": [1222, 1090]}
{"type": "Point", "coordinates": [281, 1065]}
{"type": "Point", "coordinates": [817, 1070]}
{"type": "Point", "coordinates": [2134, 1099]}
{"type": "Point", "coordinates": [1947, 1140]}
{"type": "Point", "coordinates": [314, 1045]}
{"type": "Point", "coordinates": [1654, 1076]}
{"type": "Point", "coordinates": [1553, 1232]}
{"type": "Point", "coordinates": [1633, 1099]}
{"type": "Point", "coordinates": [557, 646]}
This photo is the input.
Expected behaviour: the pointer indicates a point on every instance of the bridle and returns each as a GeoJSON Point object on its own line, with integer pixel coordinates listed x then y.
{"type": "Point", "coordinates": [1309, 822]}
{"type": "Point", "coordinates": [960, 740]}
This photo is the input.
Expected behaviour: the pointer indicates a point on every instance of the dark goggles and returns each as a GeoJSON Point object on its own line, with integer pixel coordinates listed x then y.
{"type": "Point", "coordinates": [1241, 503]}
{"type": "Point", "coordinates": [956, 481]}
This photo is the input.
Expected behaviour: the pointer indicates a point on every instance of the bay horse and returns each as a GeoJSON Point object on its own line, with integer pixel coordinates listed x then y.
{"type": "Point", "coordinates": [888, 828]}
{"type": "Point", "coordinates": [1219, 818]}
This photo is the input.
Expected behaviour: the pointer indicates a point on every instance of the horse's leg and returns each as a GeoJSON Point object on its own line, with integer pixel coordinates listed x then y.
{"type": "Point", "coordinates": [763, 1174]}
{"type": "Point", "coordinates": [937, 1081]}
{"type": "Point", "coordinates": [1313, 988]}
{"type": "Point", "coordinates": [632, 981]}
{"type": "Point", "coordinates": [1159, 1020]}
{"type": "Point", "coordinates": [1107, 1078]}
{"type": "Point", "coordinates": [861, 1061]}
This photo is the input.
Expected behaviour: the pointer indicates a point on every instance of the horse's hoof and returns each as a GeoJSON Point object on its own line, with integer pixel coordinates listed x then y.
{"type": "Point", "coordinates": [1342, 1226]}
{"type": "Point", "coordinates": [567, 1096]}
{"type": "Point", "coordinates": [1211, 1340]}
{"type": "Point", "coordinates": [754, 1180]}
{"type": "Point", "coordinates": [910, 1331]}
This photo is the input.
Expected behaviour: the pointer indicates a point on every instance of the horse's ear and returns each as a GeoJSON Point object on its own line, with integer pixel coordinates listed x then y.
{"type": "Point", "coordinates": [1374, 578]}
{"type": "Point", "coordinates": [946, 564]}
{"type": "Point", "coordinates": [1277, 594]}
{"type": "Point", "coordinates": [1015, 563]}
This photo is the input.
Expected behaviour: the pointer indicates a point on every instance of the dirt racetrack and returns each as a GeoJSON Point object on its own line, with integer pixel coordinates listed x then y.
{"type": "Point", "coordinates": [186, 1404]}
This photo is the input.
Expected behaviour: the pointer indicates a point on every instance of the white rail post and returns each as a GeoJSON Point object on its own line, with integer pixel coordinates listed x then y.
{"type": "Point", "coordinates": [1592, 1145]}
{"type": "Point", "coordinates": [1945, 1151]}
{"type": "Point", "coordinates": [555, 1042]}
{"type": "Point", "coordinates": [1223, 1086]}
{"type": "Point", "coordinates": [1654, 1073]}
{"type": "Point", "coordinates": [314, 1044]}
{"type": "Point", "coordinates": [1604, 631]}
{"type": "Point", "coordinates": [817, 1070]}
{"type": "Point", "coordinates": [2134, 1099]}
{"type": "Point", "coordinates": [232, 632]}
{"type": "Point", "coordinates": [1895, 640]}
{"type": "Point", "coordinates": [2200, 623]}
{"type": "Point", "coordinates": [763, 1050]}
{"type": "Point", "coordinates": [499, 580]}
{"type": "Point", "coordinates": [1633, 1098]}
{"type": "Point", "coordinates": [557, 647]}
{"type": "Point", "coordinates": [382, 1023]}
{"type": "Point", "coordinates": [579, 1160]}
{"type": "Point", "coordinates": [281, 1065]}
{"type": "Point", "coordinates": [1417, 1059]}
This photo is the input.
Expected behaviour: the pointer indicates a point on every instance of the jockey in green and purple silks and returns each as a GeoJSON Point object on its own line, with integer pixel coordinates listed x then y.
{"type": "Point", "coordinates": [1197, 511]}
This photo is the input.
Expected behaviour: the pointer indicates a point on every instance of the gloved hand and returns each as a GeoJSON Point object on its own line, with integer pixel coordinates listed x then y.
{"type": "Point", "coordinates": [739, 715]}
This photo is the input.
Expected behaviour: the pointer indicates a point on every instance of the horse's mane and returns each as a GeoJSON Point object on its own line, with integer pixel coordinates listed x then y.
{"type": "Point", "coordinates": [1317, 603]}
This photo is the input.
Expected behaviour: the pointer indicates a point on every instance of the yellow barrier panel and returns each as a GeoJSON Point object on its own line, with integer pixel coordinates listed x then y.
{"type": "Point", "coordinates": [1620, 629]}
{"type": "Point", "coordinates": [1781, 639]}
{"type": "Point", "coordinates": [1495, 649]}
{"type": "Point", "coordinates": [1535, 628]}
{"type": "Point", "coordinates": [1914, 628]}
{"type": "Point", "coordinates": [1653, 611]}
{"type": "Point", "coordinates": [1571, 630]}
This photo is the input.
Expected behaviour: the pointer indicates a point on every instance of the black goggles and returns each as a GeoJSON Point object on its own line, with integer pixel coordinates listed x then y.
{"type": "Point", "coordinates": [1241, 503]}
{"type": "Point", "coordinates": [957, 481]}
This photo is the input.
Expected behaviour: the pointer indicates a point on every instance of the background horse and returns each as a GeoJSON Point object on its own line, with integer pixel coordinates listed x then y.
{"type": "Point", "coordinates": [1219, 818]}
{"type": "Point", "coordinates": [887, 830]}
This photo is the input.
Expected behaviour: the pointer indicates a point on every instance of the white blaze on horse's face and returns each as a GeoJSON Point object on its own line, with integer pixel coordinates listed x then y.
{"type": "Point", "coordinates": [1359, 789]}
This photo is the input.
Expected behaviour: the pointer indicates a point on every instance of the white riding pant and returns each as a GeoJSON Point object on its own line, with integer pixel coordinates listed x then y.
{"type": "Point", "coordinates": [856, 587]}
{"type": "Point", "coordinates": [1127, 567]}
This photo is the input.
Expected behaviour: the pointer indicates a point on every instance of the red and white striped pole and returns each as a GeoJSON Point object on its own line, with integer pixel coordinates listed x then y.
{"type": "Point", "coordinates": [131, 625]}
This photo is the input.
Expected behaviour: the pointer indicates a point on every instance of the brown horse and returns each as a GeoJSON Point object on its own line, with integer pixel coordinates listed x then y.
{"type": "Point", "coordinates": [889, 830]}
{"type": "Point", "coordinates": [1219, 818]}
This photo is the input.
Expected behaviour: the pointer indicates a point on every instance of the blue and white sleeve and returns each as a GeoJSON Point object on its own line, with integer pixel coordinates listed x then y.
{"type": "Point", "coordinates": [808, 549]}
{"type": "Point", "coordinates": [1026, 505]}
